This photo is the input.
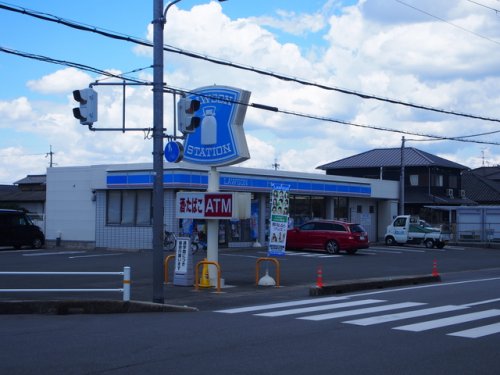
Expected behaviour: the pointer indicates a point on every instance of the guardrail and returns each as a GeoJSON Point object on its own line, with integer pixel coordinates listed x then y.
{"type": "Point", "coordinates": [125, 290]}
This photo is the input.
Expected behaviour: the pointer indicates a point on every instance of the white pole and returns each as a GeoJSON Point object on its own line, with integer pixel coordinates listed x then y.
{"type": "Point", "coordinates": [213, 229]}
{"type": "Point", "coordinates": [126, 283]}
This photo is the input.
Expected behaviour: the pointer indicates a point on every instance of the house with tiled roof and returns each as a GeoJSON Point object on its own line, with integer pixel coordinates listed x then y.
{"type": "Point", "coordinates": [27, 194]}
{"type": "Point", "coordinates": [483, 185]}
{"type": "Point", "coordinates": [429, 180]}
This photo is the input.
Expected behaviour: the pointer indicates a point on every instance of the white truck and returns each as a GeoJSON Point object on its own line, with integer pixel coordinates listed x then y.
{"type": "Point", "coordinates": [409, 229]}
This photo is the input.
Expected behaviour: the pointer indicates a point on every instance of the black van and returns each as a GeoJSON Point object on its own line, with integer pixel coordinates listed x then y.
{"type": "Point", "coordinates": [17, 229]}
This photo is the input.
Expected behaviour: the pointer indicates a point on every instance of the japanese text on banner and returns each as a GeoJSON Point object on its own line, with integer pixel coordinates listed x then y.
{"type": "Point", "coordinates": [279, 219]}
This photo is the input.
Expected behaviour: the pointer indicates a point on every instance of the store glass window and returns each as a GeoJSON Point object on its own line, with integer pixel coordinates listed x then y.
{"type": "Point", "coordinates": [128, 207]}
{"type": "Point", "coordinates": [304, 208]}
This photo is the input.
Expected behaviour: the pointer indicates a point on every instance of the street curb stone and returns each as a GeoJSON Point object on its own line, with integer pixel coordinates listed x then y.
{"type": "Point", "coordinates": [374, 283]}
{"type": "Point", "coordinates": [60, 307]}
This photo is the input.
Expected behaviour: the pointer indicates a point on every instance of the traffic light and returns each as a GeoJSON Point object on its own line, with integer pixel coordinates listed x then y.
{"type": "Point", "coordinates": [87, 112]}
{"type": "Point", "coordinates": [186, 119]}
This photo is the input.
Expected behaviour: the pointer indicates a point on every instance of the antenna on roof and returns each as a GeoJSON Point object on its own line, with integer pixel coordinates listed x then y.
{"type": "Point", "coordinates": [275, 165]}
{"type": "Point", "coordinates": [51, 155]}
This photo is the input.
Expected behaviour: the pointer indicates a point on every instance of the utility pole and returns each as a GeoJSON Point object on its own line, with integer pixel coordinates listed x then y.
{"type": "Point", "coordinates": [158, 202]}
{"type": "Point", "coordinates": [402, 179]}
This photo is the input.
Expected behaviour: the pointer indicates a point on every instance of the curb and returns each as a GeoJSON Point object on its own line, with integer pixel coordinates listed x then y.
{"type": "Point", "coordinates": [87, 307]}
{"type": "Point", "coordinates": [375, 283]}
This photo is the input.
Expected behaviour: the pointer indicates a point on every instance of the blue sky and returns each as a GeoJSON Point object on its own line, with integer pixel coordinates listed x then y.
{"type": "Point", "coordinates": [439, 54]}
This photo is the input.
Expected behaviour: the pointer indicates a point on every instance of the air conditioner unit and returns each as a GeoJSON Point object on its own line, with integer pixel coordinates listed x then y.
{"type": "Point", "coordinates": [449, 193]}
{"type": "Point", "coordinates": [462, 194]}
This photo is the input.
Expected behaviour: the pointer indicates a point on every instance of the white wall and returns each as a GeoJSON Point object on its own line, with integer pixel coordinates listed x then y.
{"type": "Point", "coordinates": [70, 209]}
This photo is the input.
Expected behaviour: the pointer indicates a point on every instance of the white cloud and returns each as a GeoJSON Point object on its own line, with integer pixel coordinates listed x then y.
{"type": "Point", "coordinates": [61, 81]}
{"type": "Point", "coordinates": [373, 47]}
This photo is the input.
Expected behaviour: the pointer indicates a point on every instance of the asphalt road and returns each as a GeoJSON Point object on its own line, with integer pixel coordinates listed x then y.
{"type": "Point", "coordinates": [447, 327]}
{"type": "Point", "coordinates": [443, 328]}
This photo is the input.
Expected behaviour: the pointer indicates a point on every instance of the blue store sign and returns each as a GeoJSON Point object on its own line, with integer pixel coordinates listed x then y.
{"type": "Point", "coordinates": [220, 138]}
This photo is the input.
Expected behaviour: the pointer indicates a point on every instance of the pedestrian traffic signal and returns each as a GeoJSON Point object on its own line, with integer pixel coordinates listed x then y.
{"type": "Point", "coordinates": [87, 112]}
{"type": "Point", "coordinates": [186, 119]}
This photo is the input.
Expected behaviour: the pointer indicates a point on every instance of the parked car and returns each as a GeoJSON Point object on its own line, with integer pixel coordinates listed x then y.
{"type": "Point", "coordinates": [17, 229]}
{"type": "Point", "coordinates": [331, 236]}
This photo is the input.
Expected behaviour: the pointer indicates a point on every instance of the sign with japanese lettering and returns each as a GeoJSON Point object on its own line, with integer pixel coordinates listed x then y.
{"type": "Point", "coordinates": [279, 220]}
{"type": "Point", "coordinates": [206, 205]}
{"type": "Point", "coordinates": [183, 273]}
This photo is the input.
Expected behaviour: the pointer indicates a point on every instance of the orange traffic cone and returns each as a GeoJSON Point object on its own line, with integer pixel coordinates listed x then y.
{"type": "Point", "coordinates": [205, 278]}
{"type": "Point", "coordinates": [319, 278]}
{"type": "Point", "coordinates": [435, 272]}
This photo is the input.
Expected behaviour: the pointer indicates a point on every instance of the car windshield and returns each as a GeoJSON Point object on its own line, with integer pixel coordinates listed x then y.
{"type": "Point", "coordinates": [356, 228]}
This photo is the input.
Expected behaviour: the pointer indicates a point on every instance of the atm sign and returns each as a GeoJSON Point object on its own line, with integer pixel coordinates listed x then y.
{"type": "Point", "coordinates": [204, 205]}
{"type": "Point", "coordinates": [218, 205]}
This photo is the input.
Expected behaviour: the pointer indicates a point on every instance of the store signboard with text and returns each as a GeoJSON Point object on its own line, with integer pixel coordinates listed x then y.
{"type": "Point", "coordinates": [212, 205]}
{"type": "Point", "coordinates": [220, 138]}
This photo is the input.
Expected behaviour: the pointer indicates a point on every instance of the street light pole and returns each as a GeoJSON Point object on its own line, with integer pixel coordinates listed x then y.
{"type": "Point", "coordinates": [158, 202]}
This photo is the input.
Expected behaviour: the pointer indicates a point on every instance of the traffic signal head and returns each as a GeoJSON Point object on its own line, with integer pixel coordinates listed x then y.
{"type": "Point", "coordinates": [186, 109]}
{"type": "Point", "coordinates": [87, 112]}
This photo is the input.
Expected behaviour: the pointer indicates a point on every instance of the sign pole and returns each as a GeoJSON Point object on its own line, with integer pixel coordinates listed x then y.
{"type": "Point", "coordinates": [213, 228]}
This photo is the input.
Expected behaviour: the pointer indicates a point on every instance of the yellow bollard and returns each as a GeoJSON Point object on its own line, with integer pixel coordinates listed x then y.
{"type": "Point", "coordinates": [205, 278]}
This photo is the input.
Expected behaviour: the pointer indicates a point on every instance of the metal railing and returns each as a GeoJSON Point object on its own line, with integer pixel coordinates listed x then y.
{"type": "Point", "coordinates": [125, 290]}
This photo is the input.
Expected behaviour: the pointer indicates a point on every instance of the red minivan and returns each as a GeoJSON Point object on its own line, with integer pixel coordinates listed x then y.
{"type": "Point", "coordinates": [329, 235]}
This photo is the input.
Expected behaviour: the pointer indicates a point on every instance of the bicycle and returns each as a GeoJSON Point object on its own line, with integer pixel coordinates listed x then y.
{"type": "Point", "coordinates": [170, 241]}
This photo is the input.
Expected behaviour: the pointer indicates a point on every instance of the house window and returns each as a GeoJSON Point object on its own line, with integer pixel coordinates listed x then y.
{"type": "Point", "coordinates": [129, 207]}
{"type": "Point", "coordinates": [453, 181]}
{"type": "Point", "coordinates": [437, 180]}
{"type": "Point", "coordinates": [414, 179]}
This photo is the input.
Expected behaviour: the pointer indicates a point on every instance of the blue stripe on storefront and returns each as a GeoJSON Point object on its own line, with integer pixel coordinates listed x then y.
{"type": "Point", "coordinates": [228, 182]}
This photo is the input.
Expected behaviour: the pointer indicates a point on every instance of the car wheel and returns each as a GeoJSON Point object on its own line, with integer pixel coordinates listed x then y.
{"type": "Point", "coordinates": [429, 244]}
{"type": "Point", "coordinates": [390, 241]}
{"type": "Point", "coordinates": [332, 247]}
{"type": "Point", "coordinates": [37, 243]}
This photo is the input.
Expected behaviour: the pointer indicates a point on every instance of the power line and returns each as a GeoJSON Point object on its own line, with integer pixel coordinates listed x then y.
{"type": "Point", "coordinates": [448, 22]}
{"type": "Point", "coordinates": [254, 105]}
{"type": "Point", "coordinates": [484, 6]}
{"type": "Point", "coordinates": [195, 55]}
{"type": "Point", "coordinates": [70, 64]}
{"type": "Point", "coordinates": [342, 122]}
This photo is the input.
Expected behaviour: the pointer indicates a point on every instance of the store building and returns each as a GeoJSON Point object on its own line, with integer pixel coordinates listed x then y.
{"type": "Point", "coordinates": [109, 206]}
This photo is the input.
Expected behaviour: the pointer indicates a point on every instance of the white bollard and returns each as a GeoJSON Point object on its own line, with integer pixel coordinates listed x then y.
{"type": "Point", "coordinates": [126, 283]}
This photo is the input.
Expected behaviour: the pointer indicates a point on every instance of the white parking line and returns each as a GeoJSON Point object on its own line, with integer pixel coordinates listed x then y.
{"type": "Point", "coordinates": [53, 253]}
{"type": "Point", "coordinates": [95, 255]}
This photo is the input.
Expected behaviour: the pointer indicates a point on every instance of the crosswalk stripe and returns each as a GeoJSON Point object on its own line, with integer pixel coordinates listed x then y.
{"type": "Point", "coordinates": [320, 308]}
{"type": "Point", "coordinates": [404, 315]}
{"type": "Point", "coordinates": [367, 310]}
{"type": "Point", "coordinates": [474, 333]}
{"type": "Point", "coordinates": [280, 305]}
{"type": "Point", "coordinates": [418, 327]}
